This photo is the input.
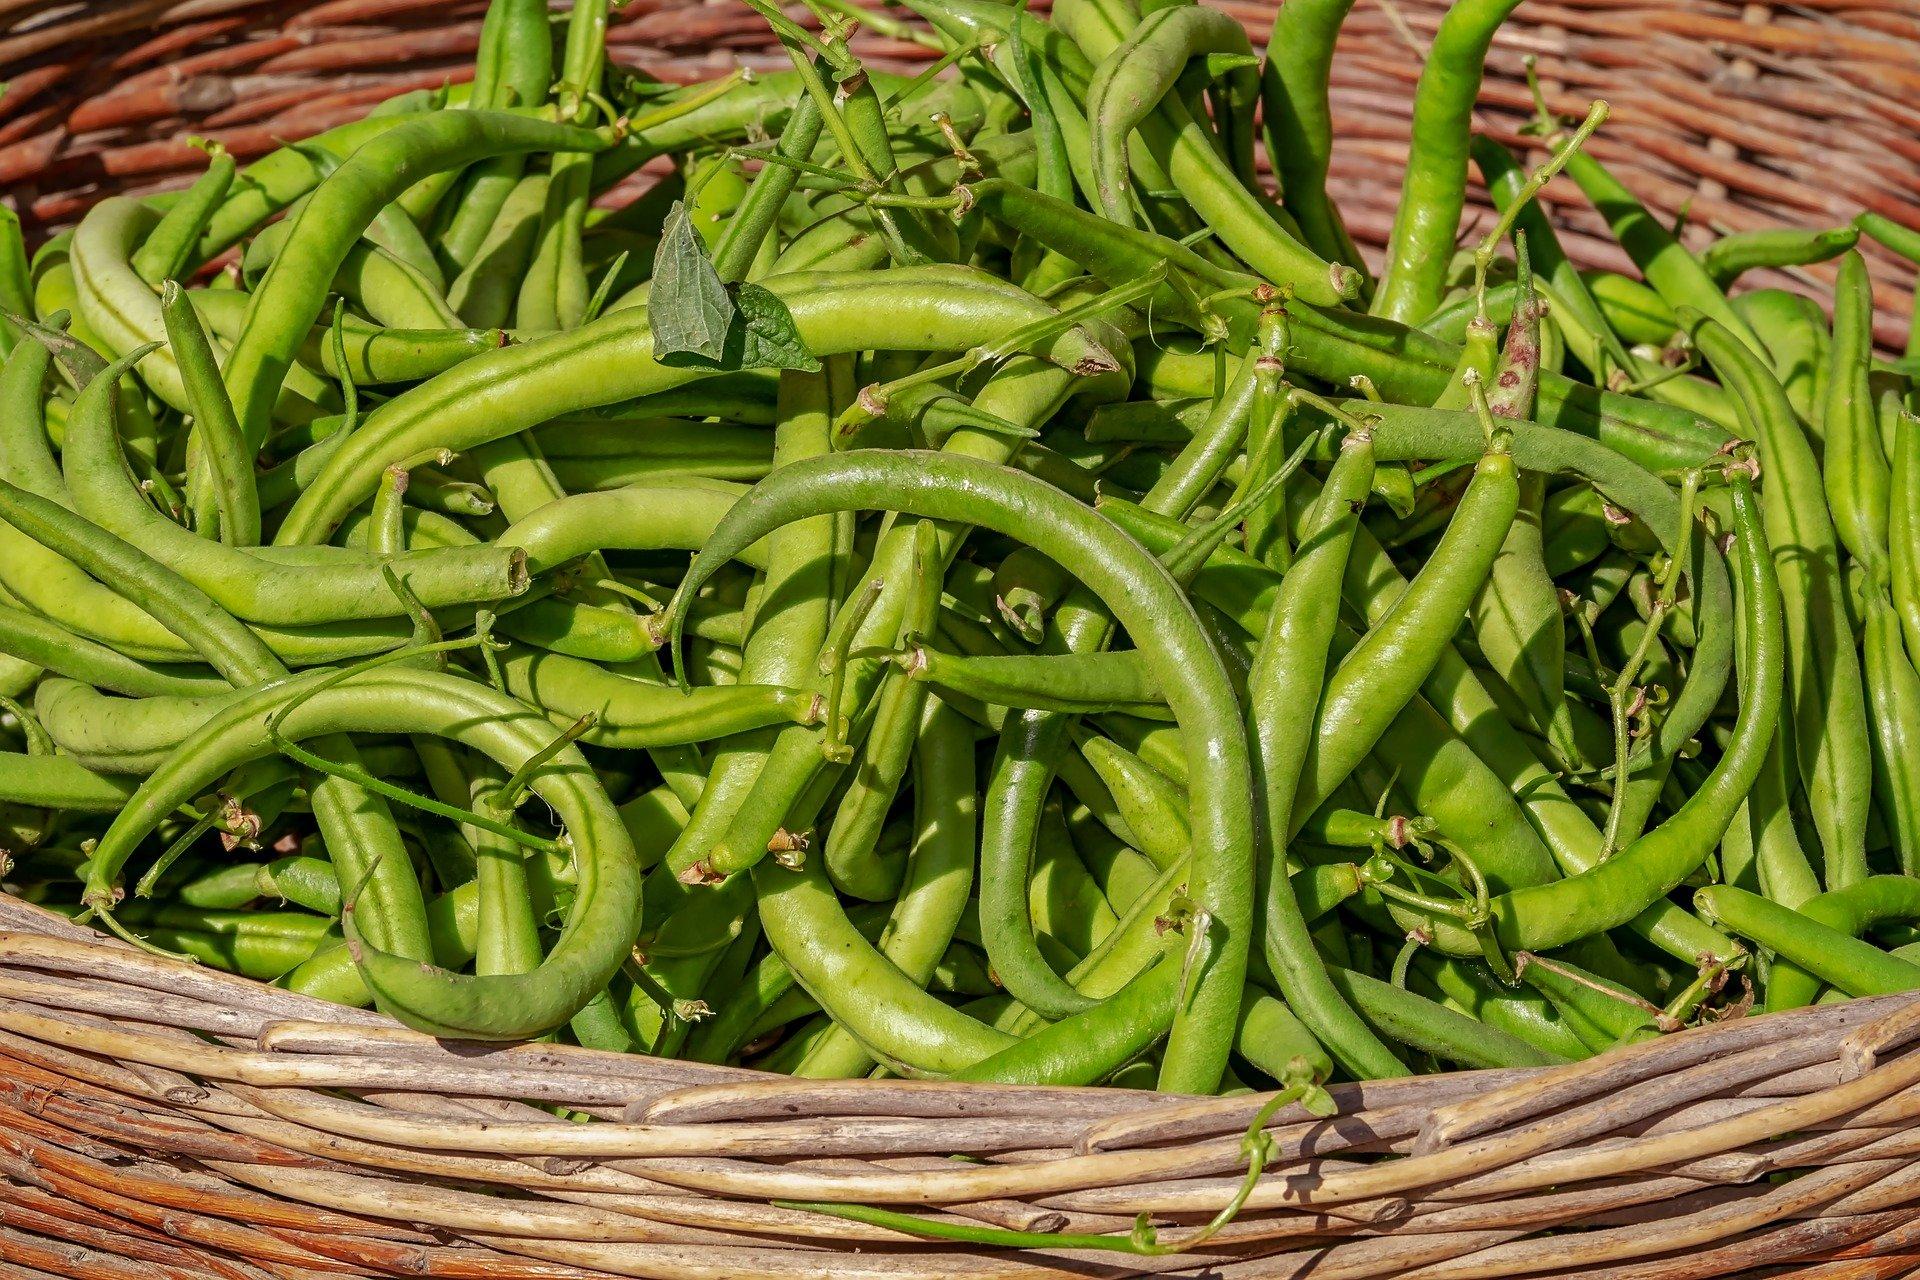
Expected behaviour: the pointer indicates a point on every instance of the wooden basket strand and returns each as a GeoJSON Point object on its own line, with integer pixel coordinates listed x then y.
{"type": "Point", "coordinates": [161, 1118]}
{"type": "Point", "coordinates": [1747, 115]}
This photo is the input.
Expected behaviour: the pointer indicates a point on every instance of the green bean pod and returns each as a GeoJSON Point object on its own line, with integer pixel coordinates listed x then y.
{"type": "Point", "coordinates": [1393, 659]}
{"type": "Point", "coordinates": [632, 713]}
{"type": "Point", "coordinates": [1434, 190]}
{"type": "Point", "coordinates": [605, 914]}
{"type": "Point", "coordinates": [610, 360]}
{"type": "Point", "coordinates": [260, 586]}
{"type": "Point", "coordinates": [1731, 256]}
{"type": "Point", "coordinates": [1830, 732]}
{"type": "Point", "coordinates": [1853, 465]}
{"type": "Point", "coordinates": [1828, 953]}
{"type": "Point", "coordinates": [1903, 527]}
{"type": "Point", "coordinates": [290, 298]}
{"type": "Point", "coordinates": [1147, 602]}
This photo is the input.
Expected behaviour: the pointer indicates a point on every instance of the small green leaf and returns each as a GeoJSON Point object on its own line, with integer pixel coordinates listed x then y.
{"type": "Point", "coordinates": [688, 305]}
{"type": "Point", "coordinates": [766, 334]}
{"type": "Point", "coordinates": [80, 362]}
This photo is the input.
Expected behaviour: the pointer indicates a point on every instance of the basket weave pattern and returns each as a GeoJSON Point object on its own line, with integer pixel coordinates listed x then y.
{"type": "Point", "coordinates": [1746, 115]}
{"type": "Point", "coordinates": [162, 1120]}
{"type": "Point", "coordinates": [157, 1115]}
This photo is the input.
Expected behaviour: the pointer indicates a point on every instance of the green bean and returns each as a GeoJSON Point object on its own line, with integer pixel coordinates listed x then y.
{"type": "Point", "coordinates": [1829, 713]}
{"type": "Point", "coordinates": [1794, 331]}
{"type": "Point", "coordinates": [1471, 805]}
{"type": "Point", "coordinates": [47, 645]}
{"type": "Point", "coordinates": [1079, 683]}
{"type": "Point", "coordinates": [609, 360]}
{"type": "Point", "coordinates": [1675, 274]}
{"type": "Point", "coordinates": [1520, 1013]}
{"type": "Point", "coordinates": [1129, 582]}
{"type": "Point", "coordinates": [1293, 655]}
{"type": "Point", "coordinates": [1152, 809]}
{"type": "Point", "coordinates": [1433, 193]}
{"type": "Point", "coordinates": [259, 586]}
{"type": "Point", "coordinates": [1433, 1028]}
{"type": "Point", "coordinates": [1731, 256]}
{"type": "Point", "coordinates": [16, 278]}
{"type": "Point", "coordinates": [554, 293]}
{"type": "Point", "coordinates": [1853, 465]}
{"type": "Point", "coordinates": [1893, 703]}
{"type": "Point", "coordinates": [1855, 967]}
{"type": "Point", "coordinates": [1599, 1012]}
{"type": "Point", "coordinates": [1299, 130]}
{"type": "Point", "coordinates": [329, 973]}
{"type": "Point", "coordinates": [852, 861]}
{"type": "Point", "coordinates": [939, 874]}
{"type": "Point", "coordinates": [1902, 240]}
{"type": "Point", "coordinates": [514, 69]}
{"type": "Point", "coordinates": [1377, 677]}
{"type": "Point", "coordinates": [392, 289]}
{"type": "Point", "coordinates": [629, 712]}
{"type": "Point", "coordinates": [1181, 146]}
{"type": "Point", "coordinates": [54, 782]}
{"type": "Point", "coordinates": [1903, 527]}
{"type": "Point", "coordinates": [1630, 308]}
{"type": "Point", "coordinates": [168, 251]}
{"type": "Point", "coordinates": [119, 735]}
{"type": "Point", "coordinates": [255, 944]}
{"type": "Point", "coordinates": [361, 822]}
{"type": "Point", "coordinates": [290, 297]}
{"type": "Point", "coordinates": [226, 492]}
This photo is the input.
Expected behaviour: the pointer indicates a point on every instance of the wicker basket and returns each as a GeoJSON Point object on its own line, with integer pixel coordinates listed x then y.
{"type": "Point", "coordinates": [1746, 115]}
{"type": "Point", "coordinates": [163, 1120]}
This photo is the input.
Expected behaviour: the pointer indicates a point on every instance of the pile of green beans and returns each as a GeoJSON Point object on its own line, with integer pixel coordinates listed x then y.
{"type": "Point", "coordinates": [957, 578]}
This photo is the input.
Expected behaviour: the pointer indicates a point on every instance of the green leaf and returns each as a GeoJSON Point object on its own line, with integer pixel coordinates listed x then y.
{"type": "Point", "coordinates": [688, 305]}
{"type": "Point", "coordinates": [767, 336]}
{"type": "Point", "coordinates": [76, 359]}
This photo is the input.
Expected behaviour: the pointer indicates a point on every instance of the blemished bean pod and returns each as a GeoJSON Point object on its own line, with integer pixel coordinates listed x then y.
{"type": "Point", "coordinates": [1516, 615]}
